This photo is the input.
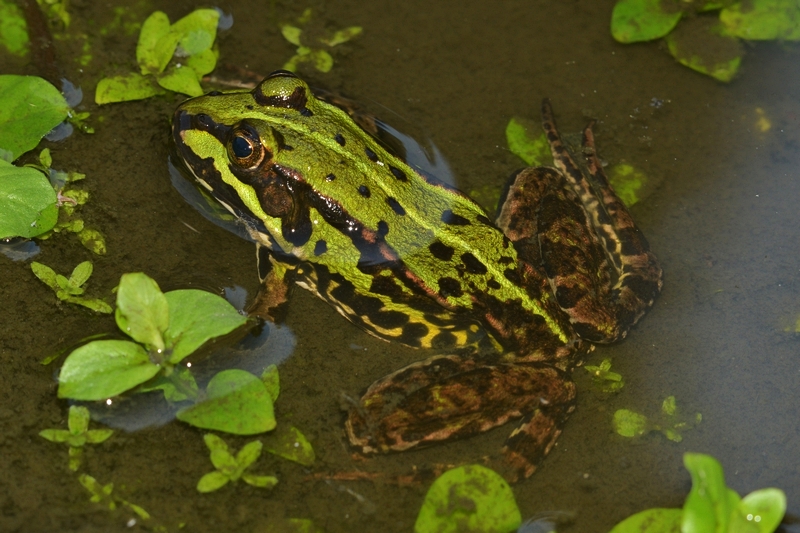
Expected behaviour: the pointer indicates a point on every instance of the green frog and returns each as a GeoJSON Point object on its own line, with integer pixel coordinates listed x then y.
{"type": "Point", "coordinates": [412, 260]}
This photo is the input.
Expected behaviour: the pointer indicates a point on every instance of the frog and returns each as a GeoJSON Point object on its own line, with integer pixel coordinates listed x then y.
{"type": "Point", "coordinates": [413, 260]}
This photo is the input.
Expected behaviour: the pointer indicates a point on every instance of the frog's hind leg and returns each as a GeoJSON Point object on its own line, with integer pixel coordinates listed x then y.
{"type": "Point", "coordinates": [601, 306]}
{"type": "Point", "coordinates": [452, 396]}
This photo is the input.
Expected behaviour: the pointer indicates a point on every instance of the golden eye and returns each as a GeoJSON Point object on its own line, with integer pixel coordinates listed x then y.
{"type": "Point", "coordinates": [245, 148]}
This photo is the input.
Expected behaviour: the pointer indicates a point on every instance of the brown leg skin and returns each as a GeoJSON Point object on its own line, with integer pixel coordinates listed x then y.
{"type": "Point", "coordinates": [451, 397]}
{"type": "Point", "coordinates": [633, 271]}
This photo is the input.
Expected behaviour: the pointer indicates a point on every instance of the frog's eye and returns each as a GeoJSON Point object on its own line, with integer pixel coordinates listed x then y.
{"type": "Point", "coordinates": [244, 147]}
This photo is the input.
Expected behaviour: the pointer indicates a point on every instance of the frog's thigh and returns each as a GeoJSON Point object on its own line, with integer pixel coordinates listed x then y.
{"type": "Point", "coordinates": [450, 397]}
{"type": "Point", "coordinates": [546, 221]}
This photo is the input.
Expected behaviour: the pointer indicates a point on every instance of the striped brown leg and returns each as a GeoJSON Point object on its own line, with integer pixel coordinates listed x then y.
{"type": "Point", "coordinates": [602, 302]}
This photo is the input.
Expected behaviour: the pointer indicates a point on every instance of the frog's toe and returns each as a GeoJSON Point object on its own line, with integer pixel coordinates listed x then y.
{"type": "Point", "coordinates": [528, 444]}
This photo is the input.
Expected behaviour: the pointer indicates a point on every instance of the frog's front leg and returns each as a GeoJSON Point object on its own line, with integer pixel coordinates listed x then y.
{"type": "Point", "coordinates": [451, 397]}
{"type": "Point", "coordinates": [276, 281]}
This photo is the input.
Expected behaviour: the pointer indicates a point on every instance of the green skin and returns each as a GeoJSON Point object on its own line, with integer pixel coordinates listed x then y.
{"type": "Point", "coordinates": [414, 261]}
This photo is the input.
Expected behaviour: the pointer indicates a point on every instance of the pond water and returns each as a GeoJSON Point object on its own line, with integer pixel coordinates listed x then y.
{"type": "Point", "coordinates": [721, 214]}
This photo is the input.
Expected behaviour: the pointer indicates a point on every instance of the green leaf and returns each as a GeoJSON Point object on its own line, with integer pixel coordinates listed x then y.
{"type": "Point", "coordinates": [291, 34]}
{"type": "Point", "coordinates": [342, 36]}
{"type": "Point", "coordinates": [626, 182]}
{"type": "Point", "coordinates": [156, 45]}
{"type": "Point", "coordinates": [272, 382]}
{"type": "Point", "coordinates": [45, 158]}
{"type": "Point", "coordinates": [102, 369]}
{"type": "Point", "coordinates": [212, 481]}
{"type": "Point", "coordinates": [221, 456]}
{"type": "Point", "coordinates": [264, 482]}
{"type": "Point", "coordinates": [535, 151]}
{"type": "Point", "coordinates": [95, 304]}
{"type": "Point", "coordinates": [651, 521]}
{"type": "Point", "coordinates": [195, 317]}
{"type": "Point", "coordinates": [669, 407]}
{"type": "Point", "coordinates": [81, 273]}
{"type": "Point", "coordinates": [125, 88]}
{"type": "Point", "coordinates": [237, 402]}
{"type": "Point", "coordinates": [641, 20]}
{"type": "Point", "coordinates": [702, 45]}
{"type": "Point", "coordinates": [178, 387]}
{"type": "Point", "coordinates": [181, 80]}
{"type": "Point", "coordinates": [323, 61]}
{"type": "Point", "coordinates": [78, 419]}
{"type": "Point", "coordinates": [763, 20]}
{"type": "Point", "coordinates": [249, 454]}
{"type": "Point", "coordinates": [197, 30]}
{"type": "Point", "coordinates": [92, 240]}
{"type": "Point", "coordinates": [96, 436]}
{"type": "Point", "coordinates": [46, 274]}
{"type": "Point", "coordinates": [290, 443]}
{"type": "Point", "coordinates": [202, 63]}
{"type": "Point", "coordinates": [142, 310]}
{"type": "Point", "coordinates": [629, 424]}
{"type": "Point", "coordinates": [13, 30]}
{"type": "Point", "coordinates": [710, 503]}
{"type": "Point", "coordinates": [29, 108]}
{"type": "Point", "coordinates": [469, 498]}
{"type": "Point", "coordinates": [27, 202]}
{"type": "Point", "coordinates": [761, 511]}
{"type": "Point", "coordinates": [55, 435]}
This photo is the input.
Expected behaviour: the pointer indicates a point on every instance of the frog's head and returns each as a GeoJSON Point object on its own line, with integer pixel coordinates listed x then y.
{"type": "Point", "coordinates": [234, 146]}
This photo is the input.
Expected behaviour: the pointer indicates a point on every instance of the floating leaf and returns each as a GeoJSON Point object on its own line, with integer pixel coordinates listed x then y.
{"type": "Point", "coordinates": [142, 309]}
{"type": "Point", "coordinates": [195, 317]}
{"type": "Point", "coordinates": [763, 19]}
{"type": "Point", "coordinates": [237, 402]}
{"type": "Point", "coordinates": [197, 30]}
{"type": "Point", "coordinates": [469, 498]}
{"type": "Point", "coordinates": [535, 151]}
{"type": "Point", "coordinates": [701, 44]}
{"type": "Point", "coordinates": [641, 20]}
{"type": "Point", "coordinates": [156, 44]}
{"type": "Point", "coordinates": [651, 521]}
{"type": "Point", "coordinates": [29, 108]}
{"type": "Point", "coordinates": [102, 369]}
{"type": "Point", "coordinates": [710, 503]}
{"type": "Point", "coordinates": [181, 80]}
{"type": "Point", "coordinates": [125, 88]}
{"type": "Point", "coordinates": [760, 511]}
{"type": "Point", "coordinates": [202, 63]}
{"type": "Point", "coordinates": [27, 202]}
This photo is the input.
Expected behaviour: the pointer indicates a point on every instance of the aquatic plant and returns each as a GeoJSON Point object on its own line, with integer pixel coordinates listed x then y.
{"type": "Point", "coordinates": [174, 57]}
{"type": "Point", "coordinates": [77, 435]}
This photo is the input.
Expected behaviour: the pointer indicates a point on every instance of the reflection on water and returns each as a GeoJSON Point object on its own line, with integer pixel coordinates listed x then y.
{"type": "Point", "coordinates": [264, 345]}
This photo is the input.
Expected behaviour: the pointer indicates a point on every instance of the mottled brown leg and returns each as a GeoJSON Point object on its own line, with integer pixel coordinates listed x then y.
{"type": "Point", "coordinates": [451, 397]}
{"type": "Point", "coordinates": [599, 265]}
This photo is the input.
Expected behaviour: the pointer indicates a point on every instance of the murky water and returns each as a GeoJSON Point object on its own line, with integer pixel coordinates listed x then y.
{"type": "Point", "coordinates": [722, 218]}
